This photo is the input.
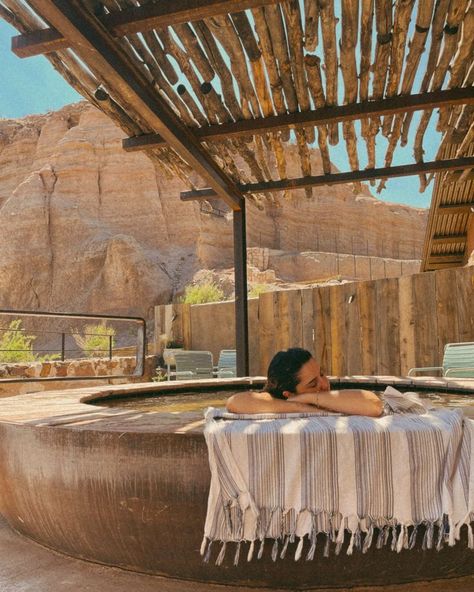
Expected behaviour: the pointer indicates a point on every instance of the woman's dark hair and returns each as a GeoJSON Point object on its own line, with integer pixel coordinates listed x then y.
{"type": "Point", "coordinates": [283, 370]}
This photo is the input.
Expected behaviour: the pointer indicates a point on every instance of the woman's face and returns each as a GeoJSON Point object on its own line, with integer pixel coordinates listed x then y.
{"type": "Point", "coordinates": [312, 378]}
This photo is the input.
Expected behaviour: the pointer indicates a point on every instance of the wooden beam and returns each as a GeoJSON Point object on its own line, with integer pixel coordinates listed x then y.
{"type": "Point", "coordinates": [135, 19]}
{"type": "Point", "coordinates": [446, 259]}
{"type": "Point", "coordinates": [110, 63]}
{"type": "Point", "coordinates": [465, 208]}
{"type": "Point", "coordinates": [440, 239]}
{"type": "Point", "coordinates": [434, 266]}
{"type": "Point", "coordinates": [323, 116]}
{"type": "Point", "coordinates": [340, 178]}
{"type": "Point", "coordinates": [38, 42]}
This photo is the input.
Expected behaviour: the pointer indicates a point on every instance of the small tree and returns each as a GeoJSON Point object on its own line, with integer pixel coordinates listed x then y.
{"type": "Point", "coordinates": [202, 293]}
{"type": "Point", "coordinates": [96, 340]}
{"type": "Point", "coordinates": [16, 345]}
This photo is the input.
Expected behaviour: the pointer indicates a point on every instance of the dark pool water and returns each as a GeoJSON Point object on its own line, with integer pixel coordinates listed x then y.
{"type": "Point", "coordinates": [192, 401]}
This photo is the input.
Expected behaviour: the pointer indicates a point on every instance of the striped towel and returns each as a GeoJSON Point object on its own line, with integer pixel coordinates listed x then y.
{"type": "Point", "coordinates": [291, 477]}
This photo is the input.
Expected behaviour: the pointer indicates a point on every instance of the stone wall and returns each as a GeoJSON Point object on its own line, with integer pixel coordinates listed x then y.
{"type": "Point", "coordinates": [85, 369]}
{"type": "Point", "coordinates": [313, 266]}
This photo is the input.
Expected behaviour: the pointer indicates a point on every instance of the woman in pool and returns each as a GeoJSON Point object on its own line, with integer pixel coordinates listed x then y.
{"type": "Point", "coordinates": [296, 383]}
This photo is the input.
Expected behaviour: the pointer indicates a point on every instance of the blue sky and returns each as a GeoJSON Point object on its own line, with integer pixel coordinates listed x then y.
{"type": "Point", "coordinates": [31, 86]}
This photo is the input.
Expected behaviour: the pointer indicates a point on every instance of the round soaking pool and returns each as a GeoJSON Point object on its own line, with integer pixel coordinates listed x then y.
{"type": "Point", "coordinates": [127, 486]}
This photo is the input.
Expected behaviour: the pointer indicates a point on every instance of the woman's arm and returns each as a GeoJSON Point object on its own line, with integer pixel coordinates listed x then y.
{"type": "Point", "coordinates": [261, 402]}
{"type": "Point", "coordinates": [349, 401]}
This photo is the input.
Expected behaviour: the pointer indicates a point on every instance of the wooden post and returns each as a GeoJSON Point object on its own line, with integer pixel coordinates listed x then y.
{"type": "Point", "coordinates": [241, 305]}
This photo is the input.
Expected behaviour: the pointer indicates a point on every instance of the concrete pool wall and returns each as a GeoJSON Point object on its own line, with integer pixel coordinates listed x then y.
{"type": "Point", "coordinates": [129, 489]}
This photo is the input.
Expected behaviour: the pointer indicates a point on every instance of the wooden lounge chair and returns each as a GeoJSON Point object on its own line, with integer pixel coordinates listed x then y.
{"type": "Point", "coordinates": [192, 365]}
{"type": "Point", "coordinates": [227, 364]}
{"type": "Point", "coordinates": [458, 362]}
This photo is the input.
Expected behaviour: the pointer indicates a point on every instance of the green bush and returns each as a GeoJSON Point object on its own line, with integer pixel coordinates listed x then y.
{"type": "Point", "coordinates": [202, 293]}
{"type": "Point", "coordinates": [95, 340]}
{"type": "Point", "coordinates": [16, 346]}
{"type": "Point", "coordinates": [258, 289]}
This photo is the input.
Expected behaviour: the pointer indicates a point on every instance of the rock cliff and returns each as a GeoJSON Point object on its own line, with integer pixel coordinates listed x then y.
{"type": "Point", "coordinates": [87, 227]}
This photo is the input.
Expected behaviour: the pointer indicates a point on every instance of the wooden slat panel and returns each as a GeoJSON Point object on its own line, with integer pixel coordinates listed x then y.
{"type": "Point", "coordinates": [426, 331]}
{"type": "Point", "coordinates": [446, 313]}
{"type": "Point", "coordinates": [307, 318]}
{"type": "Point", "coordinates": [254, 334]}
{"type": "Point", "coordinates": [338, 332]}
{"type": "Point", "coordinates": [387, 329]}
{"type": "Point", "coordinates": [282, 321]}
{"type": "Point", "coordinates": [267, 303]}
{"type": "Point", "coordinates": [295, 337]}
{"type": "Point", "coordinates": [352, 330]}
{"type": "Point", "coordinates": [407, 313]}
{"type": "Point", "coordinates": [366, 298]}
{"type": "Point", "coordinates": [186, 313]}
{"type": "Point", "coordinates": [322, 328]}
{"type": "Point", "coordinates": [464, 294]}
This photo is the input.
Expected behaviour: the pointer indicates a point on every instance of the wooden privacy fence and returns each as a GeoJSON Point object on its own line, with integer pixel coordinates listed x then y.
{"type": "Point", "coordinates": [377, 327]}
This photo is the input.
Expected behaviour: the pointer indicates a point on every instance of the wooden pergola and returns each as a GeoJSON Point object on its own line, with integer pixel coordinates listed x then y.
{"type": "Point", "coordinates": [203, 85]}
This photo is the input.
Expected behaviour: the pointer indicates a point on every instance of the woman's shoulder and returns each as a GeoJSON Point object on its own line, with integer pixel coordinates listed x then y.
{"type": "Point", "coordinates": [239, 402]}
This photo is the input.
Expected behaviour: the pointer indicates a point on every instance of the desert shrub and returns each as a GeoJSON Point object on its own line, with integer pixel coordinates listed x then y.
{"type": "Point", "coordinates": [95, 340]}
{"type": "Point", "coordinates": [160, 375]}
{"type": "Point", "coordinates": [202, 293]}
{"type": "Point", "coordinates": [258, 289]}
{"type": "Point", "coordinates": [16, 346]}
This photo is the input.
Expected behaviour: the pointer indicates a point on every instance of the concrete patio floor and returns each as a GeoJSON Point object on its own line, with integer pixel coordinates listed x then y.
{"type": "Point", "coordinates": [26, 566]}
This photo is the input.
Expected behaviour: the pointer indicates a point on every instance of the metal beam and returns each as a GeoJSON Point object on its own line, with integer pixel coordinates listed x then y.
{"type": "Point", "coordinates": [241, 298]}
{"type": "Point", "coordinates": [135, 19]}
{"type": "Point", "coordinates": [340, 178]}
{"type": "Point", "coordinates": [323, 116]}
{"type": "Point", "coordinates": [110, 64]}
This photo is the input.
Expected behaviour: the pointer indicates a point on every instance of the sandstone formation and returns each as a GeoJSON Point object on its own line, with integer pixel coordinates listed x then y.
{"type": "Point", "coordinates": [87, 227]}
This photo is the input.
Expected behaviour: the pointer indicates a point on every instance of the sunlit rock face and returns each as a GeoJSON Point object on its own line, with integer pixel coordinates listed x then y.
{"type": "Point", "coordinates": [87, 227]}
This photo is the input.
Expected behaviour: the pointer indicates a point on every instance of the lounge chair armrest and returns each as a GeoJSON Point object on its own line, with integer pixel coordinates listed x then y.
{"type": "Point", "coordinates": [412, 371]}
{"type": "Point", "coordinates": [184, 374]}
{"type": "Point", "coordinates": [226, 373]}
{"type": "Point", "coordinates": [451, 371]}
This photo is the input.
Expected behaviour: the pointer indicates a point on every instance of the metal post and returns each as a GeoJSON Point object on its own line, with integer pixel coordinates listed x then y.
{"type": "Point", "coordinates": [63, 346]}
{"type": "Point", "coordinates": [241, 309]}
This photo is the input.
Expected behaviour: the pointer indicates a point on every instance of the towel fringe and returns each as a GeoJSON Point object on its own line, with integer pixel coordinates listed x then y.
{"type": "Point", "coordinates": [275, 550]}
{"type": "Point", "coordinates": [299, 549]}
{"type": "Point", "coordinates": [326, 546]}
{"type": "Point", "coordinates": [220, 557]}
{"type": "Point", "coordinates": [237, 554]}
{"type": "Point", "coordinates": [412, 539]}
{"type": "Point", "coordinates": [470, 536]}
{"type": "Point", "coordinates": [364, 534]}
{"type": "Point", "coordinates": [207, 556]}
{"type": "Point", "coordinates": [251, 550]}
{"type": "Point", "coordinates": [368, 539]}
{"type": "Point", "coordinates": [285, 547]}
{"type": "Point", "coordinates": [260, 550]}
